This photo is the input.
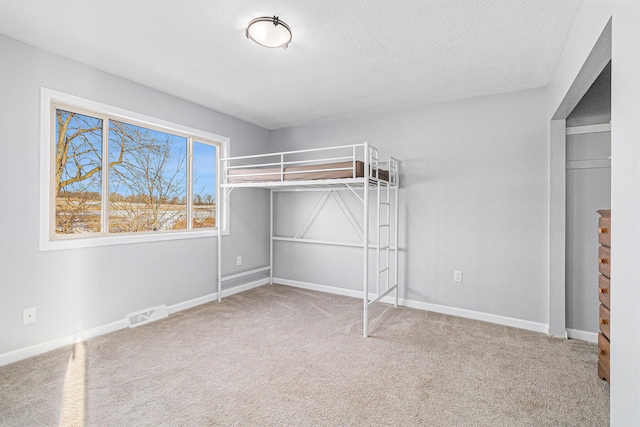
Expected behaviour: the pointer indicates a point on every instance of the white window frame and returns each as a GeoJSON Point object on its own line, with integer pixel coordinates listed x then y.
{"type": "Point", "coordinates": [49, 101]}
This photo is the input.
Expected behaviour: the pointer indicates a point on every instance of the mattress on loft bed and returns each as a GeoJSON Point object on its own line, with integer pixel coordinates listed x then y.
{"type": "Point", "coordinates": [300, 173]}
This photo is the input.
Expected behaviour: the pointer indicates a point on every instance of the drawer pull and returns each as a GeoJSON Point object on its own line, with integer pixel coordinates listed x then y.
{"type": "Point", "coordinates": [604, 291]}
{"type": "Point", "coordinates": [603, 230]}
{"type": "Point", "coordinates": [604, 261]}
{"type": "Point", "coordinates": [603, 353]}
{"type": "Point", "coordinates": [603, 321]}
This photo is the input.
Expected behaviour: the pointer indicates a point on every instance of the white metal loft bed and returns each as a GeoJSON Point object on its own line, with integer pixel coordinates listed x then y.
{"type": "Point", "coordinates": [349, 167]}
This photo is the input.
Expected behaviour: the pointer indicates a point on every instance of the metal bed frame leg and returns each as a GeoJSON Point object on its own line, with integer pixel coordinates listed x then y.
{"type": "Point", "coordinates": [219, 209]}
{"type": "Point", "coordinates": [396, 232]}
{"type": "Point", "coordinates": [365, 226]}
{"type": "Point", "coordinates": [271, 237]}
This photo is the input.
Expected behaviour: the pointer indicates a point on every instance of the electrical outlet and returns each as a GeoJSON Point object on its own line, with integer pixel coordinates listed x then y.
{"type": "Point", "coordinates": [29, 315]}
{"type": "Point", "coordinates": [239, 260]}
{"type": "Point", "coordinates": [457, 276]}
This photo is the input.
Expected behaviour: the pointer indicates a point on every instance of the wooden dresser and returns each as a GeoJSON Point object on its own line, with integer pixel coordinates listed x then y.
{"type": "Point", "coordinates": [604, 289]}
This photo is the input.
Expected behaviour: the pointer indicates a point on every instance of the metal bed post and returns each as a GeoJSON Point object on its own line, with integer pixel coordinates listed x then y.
{"type": "Point", "coordinates": [365, 296]}
{"type": "Point", "coordinates": [396, 232]}
{"type": "Point", "coordinates": [219, 210]}
{"type": "Point", "coordinates": [271, 236]}
{"type": "Point", "coordinates": [377, 237]}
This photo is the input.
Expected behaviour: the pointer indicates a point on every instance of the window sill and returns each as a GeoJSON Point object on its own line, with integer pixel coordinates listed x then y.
{"type": "Point", "coordinates": [124, 239]}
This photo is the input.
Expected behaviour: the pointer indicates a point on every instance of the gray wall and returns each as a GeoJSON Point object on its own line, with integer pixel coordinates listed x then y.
{"type": "Point", "coordinates": [75, 290]}
{"type": "Point", "coordinates": [474, 197]}
{"type": "Point", "coordinates": [588, 190]}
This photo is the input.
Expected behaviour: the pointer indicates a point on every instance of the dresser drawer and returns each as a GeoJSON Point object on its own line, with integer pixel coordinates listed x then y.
{"type": "Point", "coordinates": [604, 260]}
{"type": "Point", "coordinates": [605, 321]}
{"type": "Point", "coordinates": [603, 357]}
{"type": "Point", "coordinates": [604, 230]}
{"type": "Point", "coordinates": [604, 290]}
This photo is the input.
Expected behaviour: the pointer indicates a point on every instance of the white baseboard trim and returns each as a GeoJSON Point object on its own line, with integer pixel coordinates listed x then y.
{"type": "Point", "coordinates": [577, 334]}
{"type": "Point", "coordinates": [34, 350]}
{"type": "Point", "coordinates": [436, 308]}
{"type": "Point", "coordinates": [214, 296]}
{"type": "Point", "coordinates": [319, 288]}
{"type": "Point", "coordinates": [476, 315]}
{"type": "Point", "coordinates": [245, 287]}
{"type": "Point", "coordinates": [185, 305]}
{"type": "Point", "coordinates": [564, 335]}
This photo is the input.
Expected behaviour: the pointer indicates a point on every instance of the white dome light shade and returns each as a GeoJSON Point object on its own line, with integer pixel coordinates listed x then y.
{"type": "Point", "coordinates": [269, 32]}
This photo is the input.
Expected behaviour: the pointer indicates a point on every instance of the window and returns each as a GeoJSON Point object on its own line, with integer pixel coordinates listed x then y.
{"type": "Point", "coordinates": [114, 176]}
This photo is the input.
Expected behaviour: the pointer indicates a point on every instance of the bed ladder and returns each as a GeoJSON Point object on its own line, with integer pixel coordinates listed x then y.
{"type": "Point", "coordinates": [383, 248]}
{"type": "Point", "coordinates": [383, 242]}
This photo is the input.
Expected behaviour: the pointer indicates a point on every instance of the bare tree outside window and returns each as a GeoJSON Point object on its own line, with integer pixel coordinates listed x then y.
{"type": "Point", "coordinates": [147, 190]}
{"type": "Point", "coordinates": [78, 167]}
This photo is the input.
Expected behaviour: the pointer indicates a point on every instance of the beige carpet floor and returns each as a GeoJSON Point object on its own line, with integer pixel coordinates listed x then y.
{"type": "Point", "coordinates": [283, 356]}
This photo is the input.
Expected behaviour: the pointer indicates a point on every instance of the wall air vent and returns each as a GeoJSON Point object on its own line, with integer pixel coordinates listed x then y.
{"type": "Point", "coordinates": [148, 315]}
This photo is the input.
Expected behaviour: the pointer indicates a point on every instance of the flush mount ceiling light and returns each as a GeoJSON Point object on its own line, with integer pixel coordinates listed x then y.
{"type": "Point", "coordinates": [269, 32]}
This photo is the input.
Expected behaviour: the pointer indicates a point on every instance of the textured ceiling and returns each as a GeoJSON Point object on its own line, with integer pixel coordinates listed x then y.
{"type": "Point", "coordinates": [347, 58]}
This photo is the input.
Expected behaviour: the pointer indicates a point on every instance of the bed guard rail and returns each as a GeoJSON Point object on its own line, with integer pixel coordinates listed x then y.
{"type": "Point", "coordinates": [345, 161]}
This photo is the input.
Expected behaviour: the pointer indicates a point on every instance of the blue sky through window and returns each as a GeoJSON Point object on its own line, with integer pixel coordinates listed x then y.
{"type": "Point", "coordinates": [204, 169]}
